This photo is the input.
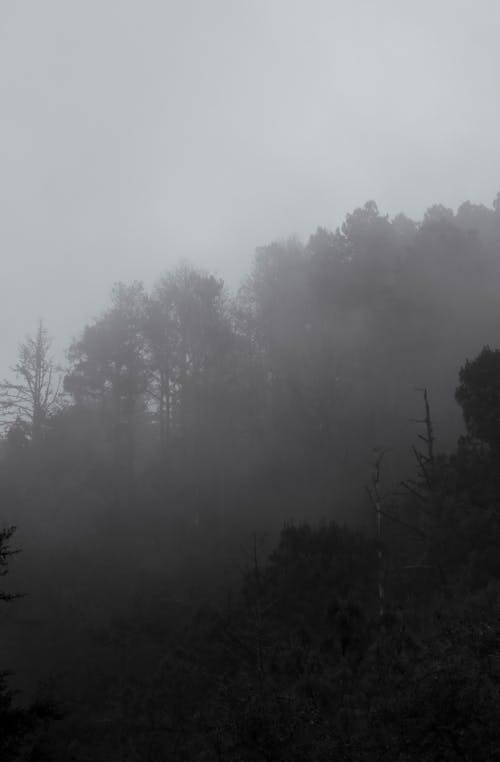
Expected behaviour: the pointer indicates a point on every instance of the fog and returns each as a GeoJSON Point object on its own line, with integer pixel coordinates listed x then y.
{"type": "Point", "coordinates": [249, 381]}
{"type": "Point", "coordinates": [134, 136]}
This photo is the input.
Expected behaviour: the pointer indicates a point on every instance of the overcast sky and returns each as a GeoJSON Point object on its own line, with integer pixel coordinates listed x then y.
{"type": "Point", "coordinates": [138, 132]}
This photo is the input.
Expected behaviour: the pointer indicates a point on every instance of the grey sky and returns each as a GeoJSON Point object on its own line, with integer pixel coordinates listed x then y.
{"type": "Point", "coordinates": [134, 133]}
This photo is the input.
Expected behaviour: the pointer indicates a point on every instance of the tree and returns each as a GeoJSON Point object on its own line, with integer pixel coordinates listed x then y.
{"type": "Point", "coordinates": [110, 373]}
{"type": "Point", "coordinates": [19, 724]}
{"type": "Point", "coordinates": [5, 554]}
{"type": "Point", "coordinates": [189, 338]}
{"type": "Point", "coordinates": [478, 394]}
{"type": "Point", "coordinates": [36, 394]}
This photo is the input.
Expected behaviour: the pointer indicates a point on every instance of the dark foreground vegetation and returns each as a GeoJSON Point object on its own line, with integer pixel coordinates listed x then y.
{"type": "Point", "coordinates": [231, 549]}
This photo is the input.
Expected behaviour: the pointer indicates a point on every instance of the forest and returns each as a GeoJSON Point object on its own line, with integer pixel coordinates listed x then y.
{"type": "Point", "coordinates": [263, 525]}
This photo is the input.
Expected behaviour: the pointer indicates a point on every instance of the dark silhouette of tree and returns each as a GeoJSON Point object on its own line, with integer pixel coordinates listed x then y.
{"type": "Point", "coordinates": [6, 553]}
{"type": "Point", "coordinates": [18, 724]}
{"type": "Point", "coordinates": [478, 394]}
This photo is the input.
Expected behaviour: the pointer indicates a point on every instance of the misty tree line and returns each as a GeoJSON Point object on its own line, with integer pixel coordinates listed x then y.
{"type": "Point", "coordinates": [212, 399]}
{"type": "Point", "coordinates": [188, 419]}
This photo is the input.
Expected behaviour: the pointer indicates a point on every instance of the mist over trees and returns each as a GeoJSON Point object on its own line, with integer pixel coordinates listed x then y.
{"type": "Point", "coordinates": [191, 424]}
{"type": "Point", "coordinates": [201, 399]}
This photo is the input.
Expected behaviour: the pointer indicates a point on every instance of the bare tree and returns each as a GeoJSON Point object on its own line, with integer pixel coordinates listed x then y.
{"type": "Point", "coordinates": [377, 501]}
{"type": "Point", "coordinates": [36, 392]}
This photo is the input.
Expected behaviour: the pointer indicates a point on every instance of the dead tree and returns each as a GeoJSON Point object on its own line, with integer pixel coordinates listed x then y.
{"type": "Point", "coordinates": [376, 500]}
{"type": "Point", "coordinates": [36, 392]}
{"type": "Point", "coordinates": [425, 493]}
